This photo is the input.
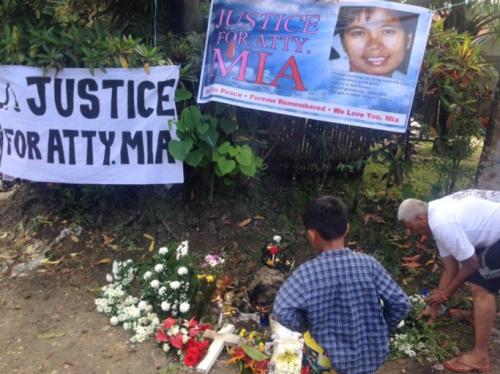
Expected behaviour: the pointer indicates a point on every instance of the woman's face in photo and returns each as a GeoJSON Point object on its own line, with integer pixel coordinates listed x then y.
{"type": "Point", "coordinates": [376, 43]}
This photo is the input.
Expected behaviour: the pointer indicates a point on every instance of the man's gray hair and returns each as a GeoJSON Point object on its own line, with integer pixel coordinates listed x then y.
{"type": "Point", "coordinates": [410, 208]}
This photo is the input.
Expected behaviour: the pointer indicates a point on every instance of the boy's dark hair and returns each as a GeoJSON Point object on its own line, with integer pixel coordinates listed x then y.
{"type": "Point", "coordinates": [328, 216]}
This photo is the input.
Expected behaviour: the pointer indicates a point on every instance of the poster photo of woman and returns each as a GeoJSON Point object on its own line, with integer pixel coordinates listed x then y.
{"type": "Point", "coordinates": [373, 40]}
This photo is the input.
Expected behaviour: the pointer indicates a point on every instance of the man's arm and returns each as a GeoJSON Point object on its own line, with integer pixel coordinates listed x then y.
{"type": "Point", "coordinates": [396, 303]}
{"type": "Point", "coordinates": [452, 279]}
{"type": "Point", "coordinates": [449, 272]}
{"type": "Point", "coordinates": [289, 305]}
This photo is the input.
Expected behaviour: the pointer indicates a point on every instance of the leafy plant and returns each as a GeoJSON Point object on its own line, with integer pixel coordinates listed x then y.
{"type": "Point", "coordinates": [205, 141]}
{"type": "Point", "coordinates": [456, 73]}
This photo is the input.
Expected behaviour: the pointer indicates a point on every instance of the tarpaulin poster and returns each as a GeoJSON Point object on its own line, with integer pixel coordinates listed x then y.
{"type": "Point", "coordinates": [72, 126]}
{"type": "Point", "coordinates": [352, 63]}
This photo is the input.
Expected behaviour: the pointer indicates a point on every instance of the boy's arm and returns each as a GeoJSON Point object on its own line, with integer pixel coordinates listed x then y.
{"type": "Point", "coordinates": [289, 305]}
{"type": "Point", "coordinates": [396, 302]}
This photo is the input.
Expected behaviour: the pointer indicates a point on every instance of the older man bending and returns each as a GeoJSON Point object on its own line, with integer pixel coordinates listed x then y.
{"type": "Point", "coordinates": [466, 227]}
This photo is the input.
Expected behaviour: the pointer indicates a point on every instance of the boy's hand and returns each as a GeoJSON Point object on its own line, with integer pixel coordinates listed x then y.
{"type": "Point", "coordinates": [430, 313]}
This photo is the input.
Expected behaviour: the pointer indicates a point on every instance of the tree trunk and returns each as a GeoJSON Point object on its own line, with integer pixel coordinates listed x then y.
{"type": "Point", "coordinates": [488, 174]}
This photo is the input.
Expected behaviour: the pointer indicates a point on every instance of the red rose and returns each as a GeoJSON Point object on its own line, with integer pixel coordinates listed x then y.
{"type": "Point", "coordinates": [194, 331]}
{"type": "Point", "coordinates": [161, 337]}
{"type": "Point", "coordinates": [176, 341]}
{"type": "Point", "coordinates": [204, 326]}
{"type": "Point", "coordinates": [192, 323]}
{"type": "Point", "coordinates": [273, 249]}
{"type": "Point", "coordinates": [192, 357]}
{"type": "Point", "coordinates": [263, 364]}
{"type": "Point", "coordinates": [169, 322]}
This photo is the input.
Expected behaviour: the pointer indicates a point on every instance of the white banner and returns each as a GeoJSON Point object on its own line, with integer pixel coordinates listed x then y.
{"type": "Point", "coordinates": [75, 127]}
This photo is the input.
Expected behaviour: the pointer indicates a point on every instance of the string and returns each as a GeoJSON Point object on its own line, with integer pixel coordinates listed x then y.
{"type": "Point", "coordinates": [449, 6]}
{"type": "Point", "coordinates": [155, 16]}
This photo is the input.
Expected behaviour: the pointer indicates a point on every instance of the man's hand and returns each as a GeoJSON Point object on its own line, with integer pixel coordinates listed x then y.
{"type": "Point", "coordinates": [437, 297]}
{"type": "Point", "coordinates": [430, 313]}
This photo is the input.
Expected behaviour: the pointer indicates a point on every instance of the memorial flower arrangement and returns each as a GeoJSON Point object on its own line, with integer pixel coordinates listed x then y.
{"type": "Point", "coordinates": [287, 357]}
{"type": "Point", "coordinates": [133, 314]}
{"type": "Point", "coordinates": [185, 338]}
{"type": "Point", "coordinates": [274, 255]}
{"type": "Point", "coordinates": [415, 338]}
{"type": "Point", "coordinates": [170, 283]}
{"type": "Point", "coordinates": [250, 357]}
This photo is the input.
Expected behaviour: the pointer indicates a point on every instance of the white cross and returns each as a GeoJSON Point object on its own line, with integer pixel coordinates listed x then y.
{"type": "Point", "coordinates": [220, 338]}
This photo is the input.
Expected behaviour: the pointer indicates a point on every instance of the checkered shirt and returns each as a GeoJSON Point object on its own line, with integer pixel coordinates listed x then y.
{"type": "Point", "coordinates": [349, 303]}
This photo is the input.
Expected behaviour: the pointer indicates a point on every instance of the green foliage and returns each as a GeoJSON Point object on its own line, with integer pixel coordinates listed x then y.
{"type": "Point", "coordinates": [392, 154]}
{"type": "Point", "coordinates": [456, 73]}
{"type": "Point", "coordinates": [206, 142]}
{"type": "Point", "coordinates": [46, 36]}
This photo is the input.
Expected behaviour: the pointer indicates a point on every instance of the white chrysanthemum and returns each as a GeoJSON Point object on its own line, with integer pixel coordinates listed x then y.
{"type": "Point", "coordinates": [174, 330]}
{"type": "Point", "coordinates": [116, 267]}
{"type": "Point", "coordinates": [155, 283]}
{"type": "Point", "coordinates": [166, 347]}
{"type": "Point", "coordinates": [109, 278]}
{"type": "Point", "coordinates": [147, 275]}
{"type": "Point", "coordinates": [114, 320]}
{"type": "Point", "coordinates": [175, 285]}
{"type": "Point", "coordinates": [162, 290]}
{"type": "Point", "coordinates": [277, 239]}
{"type": "Point", "coordinates": [401, 324]}
{"type": "Point", "coordinates": [143, 305]}
{"type": "Point", "coordinates": [182, 270]}
{"type": "Point", "coordinates": [163, 251]}
{"type": "Point", "coordinates": [126, 326]}
{"type": "Point", "coordinates": [159, 267]}
{"type": "Point", "coordinates": [184, 307]}
{"type": "Point", "coordinates": [165, 306]}
{"type": "Point", "coordinates": [182, 250]}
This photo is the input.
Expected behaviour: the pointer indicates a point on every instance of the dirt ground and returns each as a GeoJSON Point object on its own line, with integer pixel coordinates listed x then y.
{"type": "Point", "coordinates": [48, 321]}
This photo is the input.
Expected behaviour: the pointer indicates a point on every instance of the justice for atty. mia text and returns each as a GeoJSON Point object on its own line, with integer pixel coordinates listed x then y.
{"type": "Point", "coordinates": [87, 99]}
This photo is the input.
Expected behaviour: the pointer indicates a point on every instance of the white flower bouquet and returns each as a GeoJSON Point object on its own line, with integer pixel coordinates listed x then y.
{"type": "Point", "coordinates": [169, 282]}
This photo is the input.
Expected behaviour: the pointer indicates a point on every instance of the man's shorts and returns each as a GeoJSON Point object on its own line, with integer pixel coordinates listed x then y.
{"type": "Point", "coordinates": [492, 261]}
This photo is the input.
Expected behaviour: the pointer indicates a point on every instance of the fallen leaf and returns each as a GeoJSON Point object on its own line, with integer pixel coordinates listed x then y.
{"type": "Point", "coordinates": [108, 239]}
{"type": "Point", "coordinates": [106, 260]}
{"type": "Point", "coordinates": [258, 217]}
{"type": "Point", "coordinates": [227, 222]}
{"type": "Point", "coordinates": [373, 217]}
{"type": "Point", "coordinates": [352, 243]}
{"type": "Point", "coordinates": [46, 261]}
{"type": "Point", "coordinates": [4, 235]}
{"type": "Point", "coordinates": [150, 237]}
{"type": "Point", "coordinates": [435, 267]}
{"type": "Point", "coordinates": [152, 246]}
{"type": "Point", "coordinates": [412, 258]}
{"type": "Point", "coordinates": [74, 238]}
{"type": "Point", "coordinates": [245, 222]}
{"type": "Point", "coordinates": [404, 246]}
{"type": "Point", "coordinates": [74, 254]}
{"type": "Point", "coordinates": [412, 265]}
{"type": "Point", "coordinates": [50, 335]}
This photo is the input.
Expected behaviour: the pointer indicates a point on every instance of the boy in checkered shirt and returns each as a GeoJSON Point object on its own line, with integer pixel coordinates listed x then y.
{"type": "Point", "coordinates": [346, 301]}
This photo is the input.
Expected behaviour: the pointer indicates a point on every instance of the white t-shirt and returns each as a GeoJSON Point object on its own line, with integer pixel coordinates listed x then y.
{"type": "Point", "coordinates": [464, 221]}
